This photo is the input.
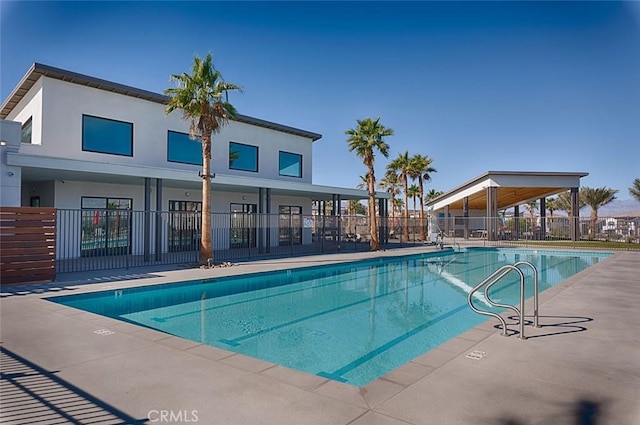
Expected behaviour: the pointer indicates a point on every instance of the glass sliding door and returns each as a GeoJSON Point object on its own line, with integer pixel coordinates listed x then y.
{"type": "Point", "coordinates": [243, 225]}
{"type": "Point", "coordinates": [106, 226]}
{"type": "Point", "coordinates": [290, 228]}
{"type": "Point", "coordinates": [184, 225]}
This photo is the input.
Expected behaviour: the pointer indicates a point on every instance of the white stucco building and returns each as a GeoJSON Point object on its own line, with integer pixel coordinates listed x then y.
{"type": "Point", "coordinates": [72, 141]}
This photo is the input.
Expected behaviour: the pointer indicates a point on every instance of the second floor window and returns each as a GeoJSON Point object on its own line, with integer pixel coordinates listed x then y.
{"type": "Point", "coordinates": [243, 157]}
{"type": "Point", "coordinates": [107, 136]}
{"type": "Point", "coordinates": [180, 148]}
{"type": "Point", "coordinates": [290, 164]}
{"type": "Point", "coordinates": [25, 134]}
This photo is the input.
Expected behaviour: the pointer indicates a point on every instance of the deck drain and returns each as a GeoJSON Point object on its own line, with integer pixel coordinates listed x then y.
{"type": "Point", "coordinates": [104, 332]}
{"type": "Point", "coordinates": [476, 355]}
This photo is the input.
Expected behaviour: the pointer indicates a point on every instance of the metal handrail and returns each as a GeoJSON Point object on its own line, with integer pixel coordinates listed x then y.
{"type": "Point", "coordinates": [495, 277]}
{"type": "Point", "coordinates": [535, 290]}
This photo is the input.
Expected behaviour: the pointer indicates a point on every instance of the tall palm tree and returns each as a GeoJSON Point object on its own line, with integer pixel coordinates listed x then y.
{"type": "Point", "coordinates": [365, 140]}
{"type": "Point", "coordinates": [402, 166]}
{"type": "Point", "coordinates": [596, 198]}
{"type": "Point", "coordinates": [421, 170]}
{"type": "Point", "coordinates": [201, 96]}
{"type": "Point", "coordinates": [635, 189]}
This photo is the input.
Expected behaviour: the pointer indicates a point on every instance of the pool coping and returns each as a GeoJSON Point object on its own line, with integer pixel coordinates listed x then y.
{"type": "Point", "coordinates": [368, 397]}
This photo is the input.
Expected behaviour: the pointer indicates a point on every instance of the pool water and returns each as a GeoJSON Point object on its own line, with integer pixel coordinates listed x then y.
{"type": "Point", "coordinates": [351, 322]}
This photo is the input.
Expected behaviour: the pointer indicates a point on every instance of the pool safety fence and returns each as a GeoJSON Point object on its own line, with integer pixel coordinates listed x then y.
{"type": "Point", "coordinates": [100, 239]}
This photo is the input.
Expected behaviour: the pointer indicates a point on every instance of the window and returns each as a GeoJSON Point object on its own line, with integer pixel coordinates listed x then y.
{"type": "Point", "coordinates": [107, 136]}
{"type": "Point", "coordinates": [290, 225]}
{"type": "Point", "coordinates": [290, 164]}
{"type": "Point", "coordinates": [106, 226]}
{"type": "Point", "coordinates": [25, 134]}
{"type": "Point", "coordinates": [243, 157]}
{"type": "Point", "coordinates": [180, 148]}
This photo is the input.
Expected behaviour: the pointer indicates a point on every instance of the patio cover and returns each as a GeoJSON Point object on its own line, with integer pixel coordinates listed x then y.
{"type": "Point", "coordinates": [512, 188]}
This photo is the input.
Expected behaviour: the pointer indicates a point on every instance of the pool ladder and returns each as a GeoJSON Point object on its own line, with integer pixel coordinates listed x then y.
{"type": "Point", "coordinates": [495, 277]}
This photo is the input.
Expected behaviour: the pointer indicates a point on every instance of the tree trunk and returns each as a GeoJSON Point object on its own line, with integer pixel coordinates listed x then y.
{"type": "Point", "coordinates": [206, 251]}
{"type": "Point", "coordinates": [421, 214]}
{"type": "Point", "coordinates": [375, 242]}
{"type": "Point", "coordinates": [592, 227]}
{"type": "Point", "coordinates": [406, 209]}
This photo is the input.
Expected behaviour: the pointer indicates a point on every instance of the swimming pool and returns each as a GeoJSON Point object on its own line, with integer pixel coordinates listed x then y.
{"type": "Point", "coordinates": [351, 322]}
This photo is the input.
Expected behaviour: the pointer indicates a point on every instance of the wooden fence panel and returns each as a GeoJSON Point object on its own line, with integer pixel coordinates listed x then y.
{"type": "Point", "coordinates": [27, 244]}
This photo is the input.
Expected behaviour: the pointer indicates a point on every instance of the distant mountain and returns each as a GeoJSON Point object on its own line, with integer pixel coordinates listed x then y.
{"type": "Point", "coordinates": [618, 207]}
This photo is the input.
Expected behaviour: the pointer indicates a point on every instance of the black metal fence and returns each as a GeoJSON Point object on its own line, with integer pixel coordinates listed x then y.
{"type": "Point", "coordinates": [115, 238]}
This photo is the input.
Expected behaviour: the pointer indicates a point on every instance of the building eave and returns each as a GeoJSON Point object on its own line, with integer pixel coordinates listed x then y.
{"type": "Point", "coordinates": [38, 70]}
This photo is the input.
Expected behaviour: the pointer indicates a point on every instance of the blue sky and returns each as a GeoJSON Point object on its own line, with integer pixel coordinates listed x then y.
{"type": "Point", "coordinates": [527, 86]}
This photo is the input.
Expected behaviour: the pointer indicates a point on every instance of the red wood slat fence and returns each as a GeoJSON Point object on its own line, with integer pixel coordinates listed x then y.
{"type": "Point", "coordinates": [27, 244]}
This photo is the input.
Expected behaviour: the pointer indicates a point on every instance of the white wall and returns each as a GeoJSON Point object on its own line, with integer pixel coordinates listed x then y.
{"type": "Point", "coordinates": [63, 104]}
{"type": "Point", "coordinates": [30, 106]}
{"type": "Point", "coordinates": [10, 176]}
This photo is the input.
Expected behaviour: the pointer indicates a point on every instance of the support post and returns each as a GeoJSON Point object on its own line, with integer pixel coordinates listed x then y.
{"type": "Point", "coordinates": [492, 213]}
{"type": "Point", "coordinates": [516, 222]}
{"type": "Point", "coordinates": [268, 212]}
{"type": "Point", "coordinates": [465, 216]}
{"type": "Point", "coordinates": [158, 230]}
{"type": "Point", "coordinates": [543, 218]}
{"type": "Point", "coordinates": [261, 220]}
{"type": "Point", "coordinates": [446, 220]}
{"type": "Point", "coordinates": [147, 219]}
{"type": "Point", "coordinates": [338, 210]}
{"type": "Point", "coordinates": [574, 220]}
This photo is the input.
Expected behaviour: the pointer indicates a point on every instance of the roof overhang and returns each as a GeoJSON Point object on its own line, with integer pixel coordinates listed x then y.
{"type": "Point", "coordinates": [38, 70]}
{"type": "Point", "coordinates": [40, 168]}
{"type": "Point", "coordinates": [513, 188]}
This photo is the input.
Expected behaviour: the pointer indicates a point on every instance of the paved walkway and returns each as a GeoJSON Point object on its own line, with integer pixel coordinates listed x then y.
{"type": "Point", "coordinates": [61, 365]}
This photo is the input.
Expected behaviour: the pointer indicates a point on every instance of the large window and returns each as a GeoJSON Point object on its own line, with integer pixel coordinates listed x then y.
{"type": "Point", "coordinates": [290, 164]}
{"type": "Point", "coordinates": [180, 148]}
{"type": "Point", "coordinates": [290, 225]}
{"type": "Point", "coordinates": [243, 157]}
{"type": "Point", "coordinates": [25, 134]}
{"type": "Point", "coordinates": [106, 226]}
{"type": "Point", "coordinates": [107, 136]}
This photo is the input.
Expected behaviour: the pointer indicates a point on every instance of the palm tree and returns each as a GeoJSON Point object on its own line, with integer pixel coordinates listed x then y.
{"type": "Point", "coordinates": [413, 192]}
{"type": "Point", "coordinates": [635, 189]}
{"type": "Point", "coordinates": [365, 139]}
{"type": "Point", "coordinates": [551, 205]}
{"type": "Point", "coordinates": [596, 198]}
{"type": "Point", "coordinates": [421, 170]}
{"type": "Point", "coordinates": [402, 166]}
{"type": "Point", "coordinates": [364, 182]}
{"type": "Point", "coordinates": [563, 203]}
{"type": "Point", "coordinates": [391, 185]}
{"type": "Point", "coordinates": [531, 207]}
{"type": "Point", "coordinates": [432, 194]}
{"type": "Point", "coordinates": [398, 204]}
{"type": "Point", "coordinates": [201, 96]}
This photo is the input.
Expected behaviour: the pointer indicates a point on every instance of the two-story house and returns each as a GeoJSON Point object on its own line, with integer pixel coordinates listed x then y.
{"type": "Point", "coordinates": [86, 144]}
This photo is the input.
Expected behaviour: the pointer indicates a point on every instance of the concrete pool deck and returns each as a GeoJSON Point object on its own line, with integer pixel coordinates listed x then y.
{"type": "Point", "coordinates": [62, 365]}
